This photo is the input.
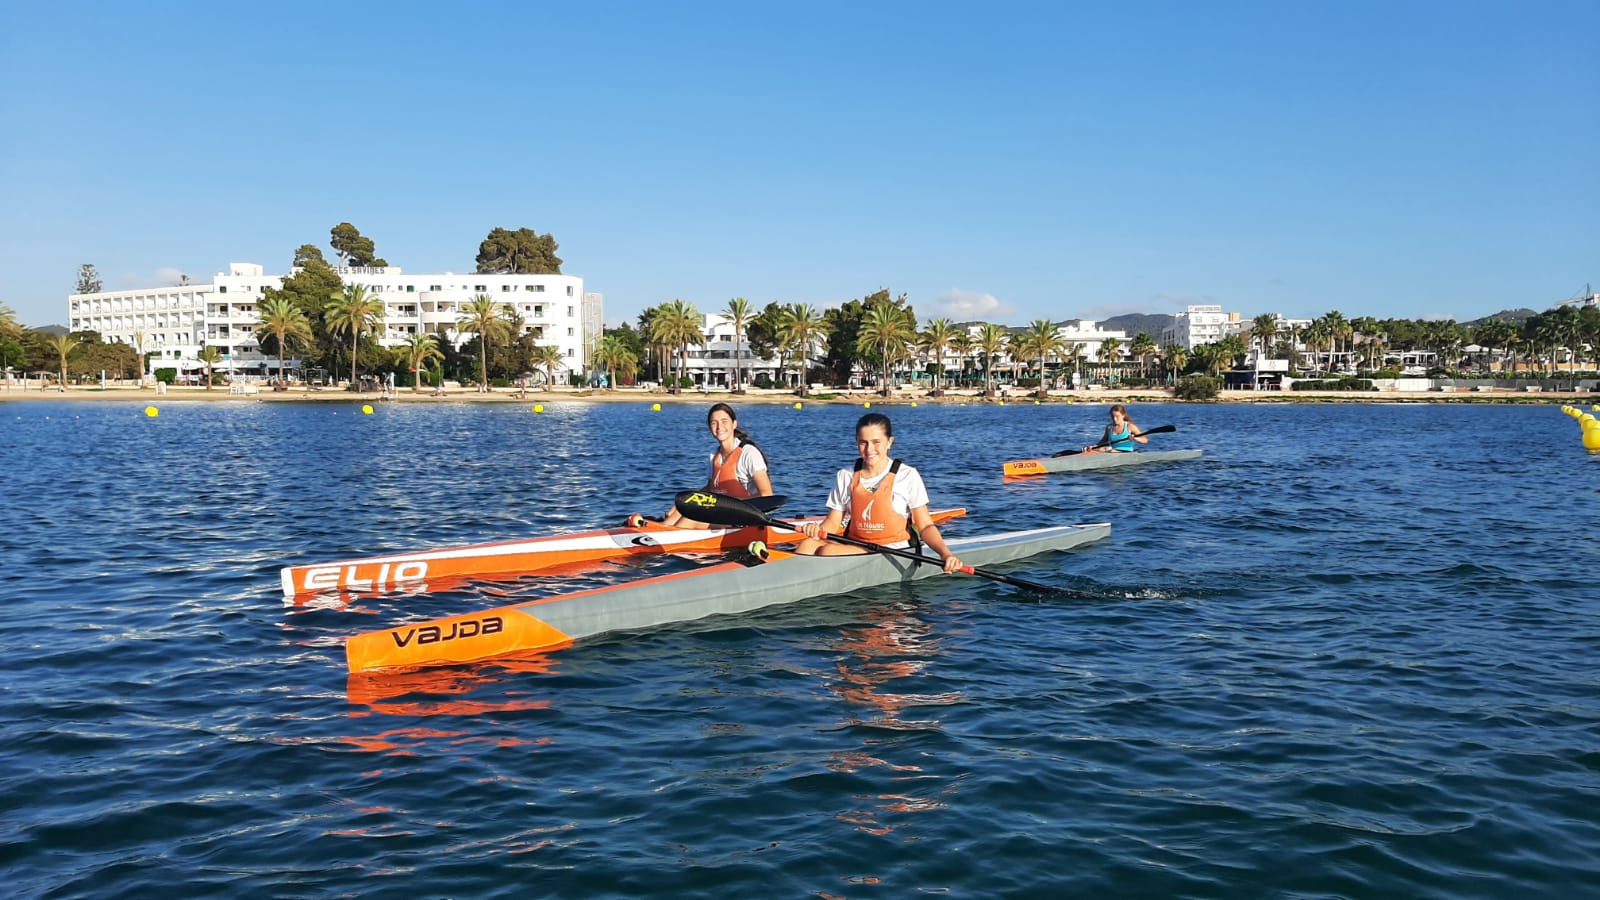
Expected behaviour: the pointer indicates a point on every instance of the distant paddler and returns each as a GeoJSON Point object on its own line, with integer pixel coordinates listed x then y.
{"type": "Point", "coordinates": [738, 467]}
{"type": "Point", "coordinates": [884, 499]}
{"type": "Point", "coordinates": [1120, 435]}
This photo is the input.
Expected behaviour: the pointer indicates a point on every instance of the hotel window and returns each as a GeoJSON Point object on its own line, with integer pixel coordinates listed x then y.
{"type": "Point", "coordinates": [569, 332]}
{"type": "Point", "coordinates": [435, 287]}
{"type": "Point", "coordinates": [536, 288]}
{"type": "Point", "coordinates": [538, 311]}
{"type": "Point", "coordinates": [480, 288]}
{"type": "Point", "coordinates": [569, 290]}
{"type": "Point", "coordinates": [507, 287]}
{"type": "Point", "coordinates": [222, 289]}
{"type": "Point", "coordinates": [569, 312]}
{"type": "Point", "coordinates": [411, 289]}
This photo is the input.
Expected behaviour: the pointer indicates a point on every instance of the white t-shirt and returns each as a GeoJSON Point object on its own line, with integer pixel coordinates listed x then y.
{"type": "Point", "coordinates": [908, 494]}
{"type": "Point", "coordinates": [750, 462]}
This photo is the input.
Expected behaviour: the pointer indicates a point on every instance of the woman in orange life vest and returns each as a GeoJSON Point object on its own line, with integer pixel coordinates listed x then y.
{"type": "Point", "coordinates": [738, 467]}
{"type": "Point", "coordinates": [882, 496]}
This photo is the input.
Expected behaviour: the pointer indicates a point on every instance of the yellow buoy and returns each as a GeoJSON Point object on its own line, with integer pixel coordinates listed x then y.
{"type": "Point", "coordinates": [1591, 439]}
{"type": "Point", "coordinates": [799, 406]}
{"type": "Point", "coordinates": [655, 407]}
{"type": "Point", "coordinates": [151, 411]}
{"type": "Point", "coordinates": [1586, 419]}
{"type": "Point", "coordinates": [867, 405]}
{"type": "Point", "coordinates": [913, 403]}
{"type": "Point", "coordinates": [538, 407]}
{"type": "Point", "coordinates": [366, 409]}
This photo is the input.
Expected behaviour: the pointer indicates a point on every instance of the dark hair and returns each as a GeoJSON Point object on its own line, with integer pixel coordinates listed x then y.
{"type": "Point", "coordinates": [739, 434]}
{"type": "Point", "coordinates": [875, 419]}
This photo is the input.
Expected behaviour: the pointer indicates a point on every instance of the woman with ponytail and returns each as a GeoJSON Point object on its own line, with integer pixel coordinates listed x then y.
{"type": "Point", "coordinates": [738, 467]}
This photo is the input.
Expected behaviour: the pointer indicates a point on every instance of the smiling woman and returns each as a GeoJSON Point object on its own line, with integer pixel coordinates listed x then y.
{"type": "Point", "coordinates": [738, 467]}
{"type": "Point", "coordinates": [880, 495]}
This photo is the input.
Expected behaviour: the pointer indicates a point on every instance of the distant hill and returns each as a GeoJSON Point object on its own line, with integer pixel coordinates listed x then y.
{"type": "Point", "coordinates": [1133, 323]}
{"type": "Point", "coordinates": [51, 329]}
{"type": "Point", "coordinates": [1514, 315]}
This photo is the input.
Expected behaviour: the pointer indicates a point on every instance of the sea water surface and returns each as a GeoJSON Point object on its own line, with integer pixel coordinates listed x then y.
{"type": "Point", "coordinates": [1351, 652]}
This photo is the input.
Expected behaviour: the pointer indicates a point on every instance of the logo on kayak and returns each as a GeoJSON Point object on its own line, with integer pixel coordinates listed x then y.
{"type": "Point", "coordinates": [700, 499]}
{"type": "Point", "coordinates": [433, 634]}
{"type": "Point", "coordinates": [645, 540]}
{"type": "Point", "coordinates": [364, 577]}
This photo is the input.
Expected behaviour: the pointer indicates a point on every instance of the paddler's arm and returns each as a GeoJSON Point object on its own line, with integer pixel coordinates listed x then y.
{"type": "Point", "coordinates": [929, 532]}
{"type": "Point", "coordinates": [833, 524]}
{"type": "Point", "coordinates": [763, 483]}
{"type": "Point", "coordinates": [1134, 430]}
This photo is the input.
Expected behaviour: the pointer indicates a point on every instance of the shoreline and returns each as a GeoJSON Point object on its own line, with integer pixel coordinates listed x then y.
{"type": "Point", "coordinates": [775, 397]}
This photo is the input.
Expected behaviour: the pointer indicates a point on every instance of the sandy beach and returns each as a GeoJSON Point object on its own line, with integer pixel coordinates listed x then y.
{"type": "Point", "coordinates": [149, 395]}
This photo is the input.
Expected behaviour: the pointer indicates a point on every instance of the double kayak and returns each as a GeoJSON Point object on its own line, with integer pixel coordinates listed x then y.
{"type": "Point", "coordinates": [1110, 459]}
{"type": "Point", "coordinates": [549, 623]}
{"type": "Point", "coordinates": [420, 570]}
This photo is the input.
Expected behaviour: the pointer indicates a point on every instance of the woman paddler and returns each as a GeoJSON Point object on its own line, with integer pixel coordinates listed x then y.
{"type": "Point", "coordinates": [884, 499]}
{"type": "Point", "coordinates": [1120, 434]}
{"type": "Point", "coordinates": [738, 467]}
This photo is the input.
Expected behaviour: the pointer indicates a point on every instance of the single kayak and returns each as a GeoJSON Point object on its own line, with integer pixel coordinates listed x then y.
{"type": "Point", "coordinates": [417, 570]}
{"type": "Point", "coordinates": [734, 587]}
{"type": "Point", "coordinates": [1110, 459]}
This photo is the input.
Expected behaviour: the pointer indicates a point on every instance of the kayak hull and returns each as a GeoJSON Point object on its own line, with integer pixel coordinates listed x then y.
{"type": "Point", "coordinates": [724, 589]}
{"type": "Point", "coordinates": [1082, 462]}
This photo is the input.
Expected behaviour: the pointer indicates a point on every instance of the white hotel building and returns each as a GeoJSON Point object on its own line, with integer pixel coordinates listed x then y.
{"type": "Point", "coordinates": [1198, 325]}
{"type": "Point", "coordinates": [175, 322]}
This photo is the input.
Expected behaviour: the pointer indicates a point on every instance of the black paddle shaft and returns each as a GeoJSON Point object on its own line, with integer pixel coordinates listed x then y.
{"type": "Point", "coordinates": [720, 509]}
{"type": "Point", "coordinates": [1159, 429]}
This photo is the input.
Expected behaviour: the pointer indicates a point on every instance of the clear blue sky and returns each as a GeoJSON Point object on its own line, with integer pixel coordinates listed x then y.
{"type": "Point", "coordinates": [998, 161]}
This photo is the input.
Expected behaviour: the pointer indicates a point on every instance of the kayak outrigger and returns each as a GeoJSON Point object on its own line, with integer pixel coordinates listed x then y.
{"type": "Point", "coordinates": [552, 622]}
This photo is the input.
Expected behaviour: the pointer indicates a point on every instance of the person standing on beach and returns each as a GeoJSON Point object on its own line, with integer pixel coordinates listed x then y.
{"type": "Point", "coordinates": [738, 467]}
{"type": "Point", "coordinates": [884, 499]}
{"type": "Point", "coordinates": [1120, 434]}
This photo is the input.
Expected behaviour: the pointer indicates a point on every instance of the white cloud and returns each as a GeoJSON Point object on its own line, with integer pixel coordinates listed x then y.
{"type": "Point", "coordinates": [966, 306]}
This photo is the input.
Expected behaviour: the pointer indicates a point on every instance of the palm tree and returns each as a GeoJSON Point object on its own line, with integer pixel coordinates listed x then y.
{"type": "Point", "coordinates": [8, 321]}
{"type": "Point", "coordinates": [936, 340]}
{"type": "Point", "coordinates": [1177, 357]}
{"type": "Point", "coordinates": [801, 326]}
{"type": "Point", "coordinates": [677, 324]}
{"type": "Point", "coordinates": [357, 311]}
{"type": "Point", "coordinates": [739, 313]}
{"type": "Point", "coordinates": [991, 343]}
{"type": "Point", "coordinates": [547, 357]}
{"type": "Point", "coordinates": [1318, 335]}
{"type": "Point", "coordinates": [420, 349]}
{"type": "Point", "coordinates": [961, 346]}
{"type": "Point", "coordinates": [1040, 341]}
{"type": "Point", "coordinates": [210, 355]}
{"type": "Point", "coordinates": [285, 321]}
{"type": "Point", "coordinates": [615, 356]}
{"type": "Point", "coordinates": [481, 315]}
{"type": "Point", "coordinates": [1110, 351]}
{"type": "Point", "coordinates": [1142, 348]}
{"type": "Point", "coordinates": [1494, 333]}
{"type": "Point", "coordinates": [1263, 329]}
{"type": "Point", "coordinates": [63, 344]}
{"type": "Point", "coordinates": [886, 331]}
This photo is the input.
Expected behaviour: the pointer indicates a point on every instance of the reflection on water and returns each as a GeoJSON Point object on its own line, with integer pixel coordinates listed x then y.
{"type": "Point", "coordinates": [411, 693]}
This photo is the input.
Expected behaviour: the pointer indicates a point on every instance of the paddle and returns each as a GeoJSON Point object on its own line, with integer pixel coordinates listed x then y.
{"type": "Point", "coordinates": [720, 509]}
{"type": "Point", "coordinates": [1159, 429]}
{"type": "Point", "coordinates": [767, 504]}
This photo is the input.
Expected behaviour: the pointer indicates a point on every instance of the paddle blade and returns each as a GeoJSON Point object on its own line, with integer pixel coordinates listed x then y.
{"type": "Point", "coordinates": [770, 504]}
{"type": "Point", "coordinates": [717, 509]}
{"type": "Point", "coordinates": [1160, 429]}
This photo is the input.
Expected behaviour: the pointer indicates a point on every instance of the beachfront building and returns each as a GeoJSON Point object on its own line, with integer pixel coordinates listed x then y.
{"type": "Point", "coordinates": [1196, 325]}
{"type": "Point", "coordinates": [175, 322]}
{"type": "Point", "coordinates": [711, 363]}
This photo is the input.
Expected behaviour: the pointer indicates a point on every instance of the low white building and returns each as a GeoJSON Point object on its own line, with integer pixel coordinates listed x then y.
{"type": "Point", "coordinates": [1091, 338]}
{"type": "Point", "coordinates": [175, 322]}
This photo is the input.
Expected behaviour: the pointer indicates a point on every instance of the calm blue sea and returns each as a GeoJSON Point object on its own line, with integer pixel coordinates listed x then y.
{"type": "Point", "coordinates": [1352, 652]}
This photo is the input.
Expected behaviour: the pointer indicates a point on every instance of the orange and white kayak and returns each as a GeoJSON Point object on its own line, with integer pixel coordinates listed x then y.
{"type": "Point", "coordinates": [416, 571]}
{"type": "Point", "coordinates": [549, 623]}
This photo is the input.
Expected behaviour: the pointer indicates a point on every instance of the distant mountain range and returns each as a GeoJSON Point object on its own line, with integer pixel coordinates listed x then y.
{"type": "Point", "coordinates": [1514, 315]}
{"type": "Point", "coordinates": [1133, 323]}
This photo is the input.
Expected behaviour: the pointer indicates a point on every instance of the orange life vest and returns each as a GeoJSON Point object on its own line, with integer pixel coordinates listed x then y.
{"type": "Point", "coordinates": [725, 478]}
{"type": "Point", "coordinates": [871, 522]}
